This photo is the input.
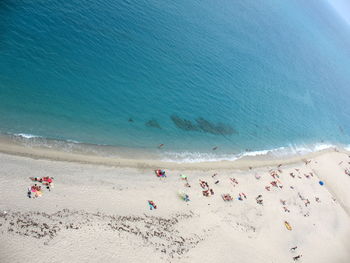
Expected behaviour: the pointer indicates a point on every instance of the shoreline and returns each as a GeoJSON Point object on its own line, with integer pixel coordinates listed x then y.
{"type": "Point", "coordinates": [12, 147]}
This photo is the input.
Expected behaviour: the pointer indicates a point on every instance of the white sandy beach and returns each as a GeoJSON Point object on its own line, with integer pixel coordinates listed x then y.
{"type": "Point", "coordinates": [98, 212]}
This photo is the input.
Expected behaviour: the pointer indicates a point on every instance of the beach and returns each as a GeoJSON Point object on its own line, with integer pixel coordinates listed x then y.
{"type": "Point", "coordinates": [174, 131]}
{"type": "Point", "coordinates": [98, 210]}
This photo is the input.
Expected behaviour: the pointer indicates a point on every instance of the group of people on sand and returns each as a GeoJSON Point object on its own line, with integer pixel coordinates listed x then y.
{"type": "Point", "coordinates": [36, 190]}
{"type": "Point", "coordinates": [276, 183]}
{"type": "Point", "coordinates": [152, 205]}
{"type": "Point", "coordinates": [241, 196]}
{"type": "Point", "coordinates": [184, 178]}
{"type": "Point", "coordinates": [207, 190]}
{"type": "Point", "coordinates": [160, 173]}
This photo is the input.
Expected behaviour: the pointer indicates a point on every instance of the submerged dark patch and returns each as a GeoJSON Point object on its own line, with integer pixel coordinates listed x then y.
{"type": "Point", "coordinates": [210, 127]}
{"type": "Point", "coordinates": [184, 124]}
{"type": "Point", "coordinates": [202, 125]}
{"type": "Point", "coordinates": [153, 123]}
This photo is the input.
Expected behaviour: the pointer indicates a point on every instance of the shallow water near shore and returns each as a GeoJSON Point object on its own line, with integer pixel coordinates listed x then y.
{"type": "Point", "coordinates": [39, 147]}
{"type": "Point", "coordinates": [249, 77]}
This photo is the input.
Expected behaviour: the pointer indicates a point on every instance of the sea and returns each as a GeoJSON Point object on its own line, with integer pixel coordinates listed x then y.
{"type": "Point", "coordinates": [206, 80]}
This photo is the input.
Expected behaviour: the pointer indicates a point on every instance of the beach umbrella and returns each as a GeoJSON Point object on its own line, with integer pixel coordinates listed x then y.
{"type": "Point", "coordinates": [321, 182]}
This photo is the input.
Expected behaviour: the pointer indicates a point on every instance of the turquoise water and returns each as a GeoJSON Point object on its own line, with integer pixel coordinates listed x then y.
{"type": "Point", "coordinates": [262, 74]}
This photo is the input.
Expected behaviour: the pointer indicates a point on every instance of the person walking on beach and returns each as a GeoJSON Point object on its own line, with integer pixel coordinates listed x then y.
{"type": "Point", "coordinates": [29, 192]}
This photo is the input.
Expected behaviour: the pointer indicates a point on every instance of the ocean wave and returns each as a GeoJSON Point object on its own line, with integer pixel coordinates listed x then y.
{"type": "Point", "coordinates": [32, 136]}
{"type": "Point", "coordinates": [26, 135]}
{"type": "Point", "coordinates": [70, 145]}
{"type": "Point", "coordinates": [291, 150]}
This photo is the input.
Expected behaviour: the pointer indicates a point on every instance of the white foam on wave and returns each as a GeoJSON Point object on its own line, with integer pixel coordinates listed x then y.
{"type": "Point", "coordinates": [195, 157]}
{"type": "Point", "coordinates": [181, 157]}
{"type": "Point", "coordinates": [321, 147]}
{"type": "Point", "coordinates": [73, 141]}
{"type": "Point", "coordinates": [291, 150]}
{"type": "Point", "coordinates": [347, 148]}
{"type": "Point", "coordinates": [26, 136]}
{"type": "Point", "coordinates": [32, 136]}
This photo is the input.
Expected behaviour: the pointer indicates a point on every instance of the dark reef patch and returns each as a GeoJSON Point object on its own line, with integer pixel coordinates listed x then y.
{"type": "Point", "coordinates": [153, 123]}
{"type": "Point", "coordinates": [202, 125]}
{"type": "Point", "coordinates": [184, 124]}
{"type": "Point", "coordinates": [210, 127]}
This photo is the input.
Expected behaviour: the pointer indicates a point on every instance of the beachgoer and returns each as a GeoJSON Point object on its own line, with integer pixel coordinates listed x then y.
{"type": "Point", "coordinates": [217, 182]}
{"type": "Point", "coordinates": [297, 257]}
{"type": "Point", "coordinates": [234, 181]}
{"type": "Point", "coordinates": [273, 183]}
{"type": "Point", "coordinates": [160, 145]}
{"type": "Point", "coordinates": [29, 193]}
{"type": "Point", "coordinates": [183, 177]}
{"type": "Point", "coordinates": [286, 209]}
{"type": "Point", "coordinates": [160, 173]}
{"type": "Point", "coordinates": [202, 184]}
{"type": "Point", "coordinates": [152, 205]}
{"type": "Point", "coordinates": [293, 248]}
{"type": "Point", "coordinates": [215, 148]}
{"type": "Point", "coordinates": [226, 197]}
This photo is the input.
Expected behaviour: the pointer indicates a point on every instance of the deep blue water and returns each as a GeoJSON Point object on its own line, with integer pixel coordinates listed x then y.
{"type": "Point", "coordinates": [277, 72]}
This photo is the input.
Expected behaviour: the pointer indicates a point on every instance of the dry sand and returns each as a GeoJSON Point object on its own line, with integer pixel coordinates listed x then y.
{"type": "Point", "coordinates": [99, 213]}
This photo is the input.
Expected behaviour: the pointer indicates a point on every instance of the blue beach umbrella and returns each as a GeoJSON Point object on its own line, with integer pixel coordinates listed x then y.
{"type": "Point", "coordinates": [321, 182]}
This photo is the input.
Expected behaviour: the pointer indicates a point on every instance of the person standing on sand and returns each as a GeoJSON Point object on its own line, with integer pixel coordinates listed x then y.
{"type": "Point", "coordinates": [29, 192]}
{"type": "Point", "coordinates": [297, 257]}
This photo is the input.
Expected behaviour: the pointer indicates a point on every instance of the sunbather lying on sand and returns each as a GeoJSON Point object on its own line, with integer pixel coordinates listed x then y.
{"type": "Point", "coordinates": [226, 197]}
{"type": "Point", "coordinates": [203, 184]}
{"type": "Point", "coordinates": [160, 173]}
{"type": "Point", "coordinates": [297, 257]}
{"type": "Point", "coordinates": [152, 205]}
